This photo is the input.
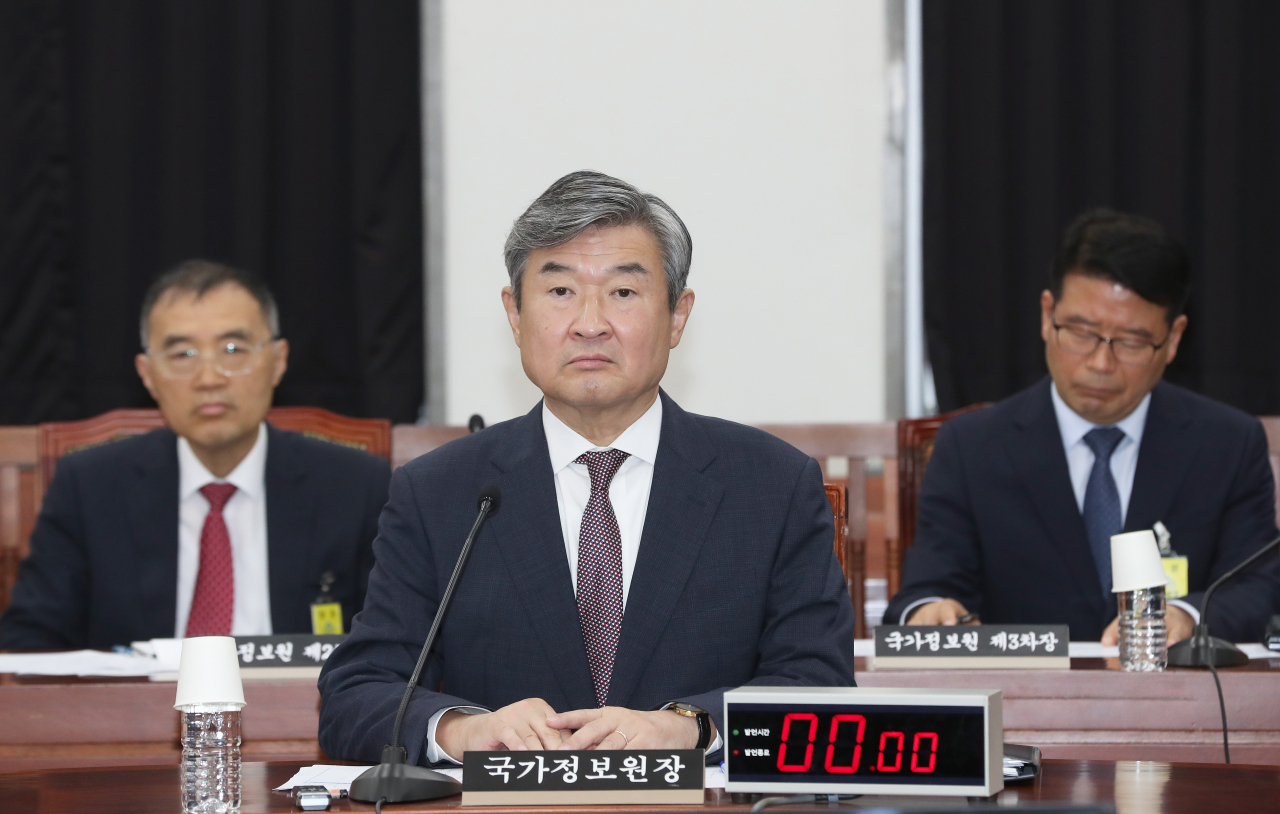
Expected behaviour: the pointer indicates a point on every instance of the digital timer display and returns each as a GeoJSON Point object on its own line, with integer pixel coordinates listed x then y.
{"type": "Point", "coordinates": [833, 743]}
{"type": "Point", "coordinates": [863, 740]}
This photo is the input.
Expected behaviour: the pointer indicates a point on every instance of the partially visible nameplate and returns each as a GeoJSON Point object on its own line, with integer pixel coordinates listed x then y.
{"type": "Point", "coordinates": [286, 656]}
{"type": "Point", "coordinates": [269, 658]}
{"type": "Point", "coordinates": [959, 647]}
{"type": "Point", "coordinates": [630, 776]}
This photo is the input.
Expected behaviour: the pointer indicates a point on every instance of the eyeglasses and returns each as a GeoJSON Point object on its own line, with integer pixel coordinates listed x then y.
{"type": "Point", "coordinates": [1080, 341]}
{"type": "Point", "coordinates": [229, 359]}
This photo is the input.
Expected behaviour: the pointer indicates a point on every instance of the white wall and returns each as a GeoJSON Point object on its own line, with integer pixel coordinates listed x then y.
{"type": "Point", "coordinates": [761, 123]}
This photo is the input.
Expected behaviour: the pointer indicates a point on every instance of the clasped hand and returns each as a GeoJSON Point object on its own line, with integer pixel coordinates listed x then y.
{"type": "Point", "coordinates": [532, 724]}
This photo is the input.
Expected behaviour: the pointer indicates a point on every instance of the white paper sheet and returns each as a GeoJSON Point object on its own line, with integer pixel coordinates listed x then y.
{"type": "Point", "coordinates": [1092, 650]}
{"type": "Point", "coordinates": [714, 778]}
{"type": "Point", "coordinates": [166, 651]}
{"type": "Point", "coordinates": [79, 663]}
{"type": "Point", "coordinates": [338, 778]}
{"type": "Point", "coordinates": [331, 777]}
{"type": "Point", "coordinates": [1255, 650]}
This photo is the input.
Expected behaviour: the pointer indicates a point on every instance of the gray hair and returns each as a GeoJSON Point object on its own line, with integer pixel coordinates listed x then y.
{"type": "Point", "coordinates": [199, 277]}
{"type": "Point", "coordinates": [584, 199]}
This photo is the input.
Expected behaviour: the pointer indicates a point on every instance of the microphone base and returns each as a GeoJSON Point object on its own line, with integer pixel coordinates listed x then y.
{"type": "Point", "coordinates": [1201, 651]}
{"type": "Point", "coordinates": [401, 783]}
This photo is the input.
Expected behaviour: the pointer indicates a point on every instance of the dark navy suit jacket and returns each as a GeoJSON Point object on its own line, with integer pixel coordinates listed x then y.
{"type": "Point", "coordinates": [999, 529]}
{"type": "Point", "coordinates": [735, 583]}
{"type": "Point", "coordinates": [103, 568]}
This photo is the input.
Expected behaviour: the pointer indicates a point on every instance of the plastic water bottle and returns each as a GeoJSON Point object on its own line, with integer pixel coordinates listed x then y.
{"type": "Point", "coordinates": [210, 757]}
{"type": "Point", "coordinates": [1144, 637]}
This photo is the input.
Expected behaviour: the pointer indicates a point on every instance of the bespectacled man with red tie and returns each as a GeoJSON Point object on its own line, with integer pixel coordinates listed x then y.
{"type": "Point", "coordinates": [644, 560]}
{"type": "Point", "coordinates": [218, 524]}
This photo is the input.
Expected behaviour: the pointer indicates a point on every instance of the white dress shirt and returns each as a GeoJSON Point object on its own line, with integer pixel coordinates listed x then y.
{"type": "Point", "coordinates": [628, 492]}
{"type": "Point", "coordinates": [246, 517]}
{"type": "Point", "coordinates": [1124, 465]}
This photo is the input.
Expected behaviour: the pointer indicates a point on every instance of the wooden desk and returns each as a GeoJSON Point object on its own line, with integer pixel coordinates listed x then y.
{"type": "Point", "coordinates": [1087, 712]}
{"type": "Point", "coordinates": [1095, 711]}
{"type": "Point", "coordinates": [52, 722]}
{"type": "Point", "coordinates": [1134, 788]}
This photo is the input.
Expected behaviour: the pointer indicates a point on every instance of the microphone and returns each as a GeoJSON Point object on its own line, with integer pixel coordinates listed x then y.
{"type": "Point", "coordinates": [1203, 650]}
{"type": "Point", "coordinates": [392, 780]}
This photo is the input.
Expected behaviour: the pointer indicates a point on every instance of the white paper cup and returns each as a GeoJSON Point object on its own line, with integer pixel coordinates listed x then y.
{"type": "Point", "coordinates": [209, 672]}
{"type": "Point", "coordinates": [1135, 562]}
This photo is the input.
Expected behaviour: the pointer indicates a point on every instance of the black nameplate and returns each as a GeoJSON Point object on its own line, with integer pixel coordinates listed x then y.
{"type": "Point", "coordinates": [951, 641]}
{"type": "Point", "coordinates": [292, 650]}
{"type": "Point", "coordinates": [586, 777]}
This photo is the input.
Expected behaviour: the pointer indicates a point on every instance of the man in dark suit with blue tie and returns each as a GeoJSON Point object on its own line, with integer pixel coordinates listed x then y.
{"type": "Point", "coordinates": [1020, 500]}
{"type": "Point", "coordinates": [216, 525]}
{"type": "Point", "coordinates": [644, 558]}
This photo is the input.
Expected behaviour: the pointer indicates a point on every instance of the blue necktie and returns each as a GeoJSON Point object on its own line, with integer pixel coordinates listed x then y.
{"type": "Point", "coordinates": [1102, 516]}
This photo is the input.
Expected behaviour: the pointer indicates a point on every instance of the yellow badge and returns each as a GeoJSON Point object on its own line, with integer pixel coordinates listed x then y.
{"type": "Point", "coordinates": [327, 618]}
{"type": "Point", "coordinates": [1175, 568]}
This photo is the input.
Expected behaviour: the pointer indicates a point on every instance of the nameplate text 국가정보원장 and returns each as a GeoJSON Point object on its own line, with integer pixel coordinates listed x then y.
{"type": "Point", "coordinates": [958, 647]}
{"type": "Point", "coordinates": [605, 777]}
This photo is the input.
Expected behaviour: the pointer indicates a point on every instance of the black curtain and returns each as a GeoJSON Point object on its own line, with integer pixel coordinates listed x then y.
{"type": "Point", "coordinates": [1035, 111]}
{"type": "Point", "coordinates": [280, 136]}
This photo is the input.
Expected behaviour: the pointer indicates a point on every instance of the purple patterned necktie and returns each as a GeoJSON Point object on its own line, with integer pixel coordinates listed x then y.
{"type": "Point", "coordinates": [600, 570]}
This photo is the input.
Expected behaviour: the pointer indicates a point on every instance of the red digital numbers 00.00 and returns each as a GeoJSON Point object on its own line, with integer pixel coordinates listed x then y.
{"type": "Point", "coordinates": [810, 721]}
{"type": "Point", "coordinates": [897, 760]}
{"type": "Point", "coordinates": [831, 744]}
{"type": "Point", "coordinates": [915, 751]}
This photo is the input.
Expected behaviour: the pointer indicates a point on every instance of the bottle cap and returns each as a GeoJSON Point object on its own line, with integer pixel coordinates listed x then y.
{"type": "Point", "coordinates": [209, 672]}
{"type": "Point", "coordinates": [1135, 562]}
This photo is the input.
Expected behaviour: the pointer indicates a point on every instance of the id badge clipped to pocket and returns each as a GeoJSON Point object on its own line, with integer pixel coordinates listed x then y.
{"type": "Point", "coordinates": [326, 612]}
{"type": "Point", "coordinates": [1175, 568]}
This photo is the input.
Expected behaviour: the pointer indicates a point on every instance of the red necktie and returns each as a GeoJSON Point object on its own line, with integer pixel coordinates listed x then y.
{"type": "Point", "coordinates": [600, 570]}
{"type": "Point", "coordinates": [215, 596]}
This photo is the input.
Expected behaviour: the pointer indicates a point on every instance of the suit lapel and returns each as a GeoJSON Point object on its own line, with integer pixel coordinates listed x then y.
{"type": "Point", "coordinates": [682, 503]}
{"type": "Point", "coordinates": [1037, 454]}
{"type": "Point", "coordinates": [531, 542]}
{"type": "Point", "coordinates": [153, 523]}
{"type": "Point", "coordinates": [1164, 458]}
{"type": "Point", "coordinates": [288, 533]}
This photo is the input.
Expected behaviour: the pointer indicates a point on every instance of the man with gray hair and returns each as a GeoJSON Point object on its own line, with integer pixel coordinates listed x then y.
{"type": "Point", "coordinates": [645, 559]}
{"type": "Point", "coordinates": [217, 524]}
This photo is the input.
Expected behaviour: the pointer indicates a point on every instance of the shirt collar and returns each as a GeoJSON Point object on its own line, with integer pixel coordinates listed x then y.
{"type": "Point", "coordinates": [248, 476]}
{"type": "Point", "coordinates": [640, 440]}
{"type": "Point", "coordinates": [1074, 428]}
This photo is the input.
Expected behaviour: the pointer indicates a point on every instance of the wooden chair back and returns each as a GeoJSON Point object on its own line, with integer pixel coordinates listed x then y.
{"type": "Point", "coordinates": [838, 497]}
{"type": "Point", "coordinates": [19, 500]}
{"type": "Point", "coordinates": [372, 435]}
{"type": "Point", "coordinates": [915, 445]}
{"type": "Point", "coordinates": [843, 452]}
{"type": "Point", "coordinates": [408, 441]}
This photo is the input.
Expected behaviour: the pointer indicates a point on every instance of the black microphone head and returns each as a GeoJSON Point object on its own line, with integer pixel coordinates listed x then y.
{"type": "Point", "coordinates": [493, 494]}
